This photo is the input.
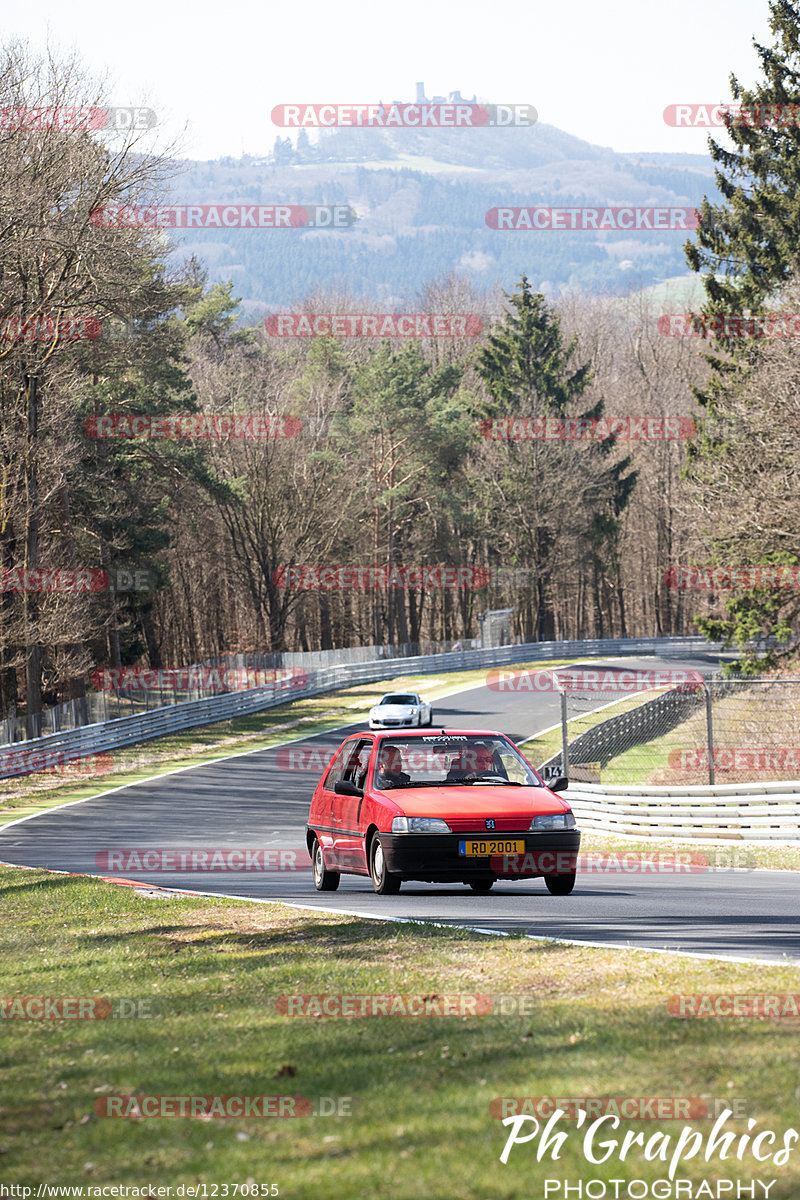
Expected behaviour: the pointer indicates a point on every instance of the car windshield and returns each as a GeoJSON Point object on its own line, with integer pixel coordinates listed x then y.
{"type": "Point", "coordinates": [400, 698]}
{"type": "Point", "coordinates": [451, 759]}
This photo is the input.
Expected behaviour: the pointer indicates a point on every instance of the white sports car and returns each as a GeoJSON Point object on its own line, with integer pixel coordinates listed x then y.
{"type": "Point", "coordinates": [400, 708]}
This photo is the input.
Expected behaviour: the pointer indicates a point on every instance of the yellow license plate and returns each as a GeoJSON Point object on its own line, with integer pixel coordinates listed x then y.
{"type": "Point", "coordinates": [485, 848]}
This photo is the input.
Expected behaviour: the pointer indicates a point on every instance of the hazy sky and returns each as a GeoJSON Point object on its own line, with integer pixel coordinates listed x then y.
{"type": "Point", "coordinates": [603, 70]}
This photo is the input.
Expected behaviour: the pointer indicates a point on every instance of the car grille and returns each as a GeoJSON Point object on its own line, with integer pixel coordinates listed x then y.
{"type": "Point", "coordinates": [517, 824]}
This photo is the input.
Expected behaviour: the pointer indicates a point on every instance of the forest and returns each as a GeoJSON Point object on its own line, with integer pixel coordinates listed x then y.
{"type": "Point", "coordinates": [180, 484]}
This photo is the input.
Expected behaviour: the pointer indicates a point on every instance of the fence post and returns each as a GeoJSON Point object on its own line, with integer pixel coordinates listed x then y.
{"type": "Point", "coordinates": [709, 734]}
{"type": "Point", "coordinates": [564, 739]}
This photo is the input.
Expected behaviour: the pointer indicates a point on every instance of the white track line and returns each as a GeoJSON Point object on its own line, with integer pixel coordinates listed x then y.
{"type": "Point", "coordinates": [368, 916]}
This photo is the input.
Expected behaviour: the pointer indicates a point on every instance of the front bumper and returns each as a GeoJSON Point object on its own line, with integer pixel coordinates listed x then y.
{"type": "Point", "coordinates": [434, 857]}
{"type": "Point", "coordinates": [394, 723]}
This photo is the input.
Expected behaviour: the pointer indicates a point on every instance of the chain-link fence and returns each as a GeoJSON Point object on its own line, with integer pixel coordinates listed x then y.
{"type": "Point", "coordinates": [712, 732]}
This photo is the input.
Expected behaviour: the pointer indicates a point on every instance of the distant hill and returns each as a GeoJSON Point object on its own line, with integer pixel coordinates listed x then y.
{"type": "Point", "coordinates": [422, 197]}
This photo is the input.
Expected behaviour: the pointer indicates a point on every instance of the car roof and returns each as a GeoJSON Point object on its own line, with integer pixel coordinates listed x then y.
{"type": "Point", "coordinates": [436, 731]}
{"type": "Point", "coordinates": [428, 732]}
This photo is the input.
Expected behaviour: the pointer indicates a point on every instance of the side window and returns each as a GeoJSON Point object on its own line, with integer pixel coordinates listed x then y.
{"type": "Point", "coordinates": [356, 769]}
{"type": "Point", "coordinates": [350, 764]}
{"type": "Point", "coordinates": [337, 767]}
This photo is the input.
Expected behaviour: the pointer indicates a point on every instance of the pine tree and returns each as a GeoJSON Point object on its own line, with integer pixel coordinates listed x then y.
{"type": "Point", "coordinates": [748, 244]}
{"type": "Point", "coordinates": [554, 490]}
{"type": "Point", "coordinates": [526, 362]}
{"type": "Point", "coordinates": [748, 248]}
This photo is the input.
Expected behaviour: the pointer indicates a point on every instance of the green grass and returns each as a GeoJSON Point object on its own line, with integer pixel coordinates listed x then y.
{"type": "Point", "coordinates": [25, 796]}
{"type": "Point", "coordinates": [420, 1088]}
{"type": "Point", "coordinates": [639, 763]}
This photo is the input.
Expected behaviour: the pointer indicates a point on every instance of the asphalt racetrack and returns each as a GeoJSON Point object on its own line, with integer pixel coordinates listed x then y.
{"type": "Point", "coordinates": [254, 802]}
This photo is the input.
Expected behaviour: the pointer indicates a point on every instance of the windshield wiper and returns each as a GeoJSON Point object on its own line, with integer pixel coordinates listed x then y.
{"type": "Point", "coordinates": [458, 783]}
{"type": "Point", "coordinates": [499, 783]}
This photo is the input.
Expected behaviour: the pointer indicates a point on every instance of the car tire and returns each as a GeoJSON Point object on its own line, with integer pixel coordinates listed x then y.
{"type": "Point", "coordinates": [430, 718]}
{"type": "Point", "coordinates": [383, 882]}
{"type": "Point", "coordinates": [481, 886]}
{"type": "Point", "coordinates": [324, 880]}
{"type": "Point", "coordinates": [560, 885]}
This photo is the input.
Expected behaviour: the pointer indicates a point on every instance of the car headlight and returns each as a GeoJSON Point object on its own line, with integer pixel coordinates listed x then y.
{"type": "Point", "coordinates": [552, 821]}
{"type": "Point", "coordinates": [420, 825]}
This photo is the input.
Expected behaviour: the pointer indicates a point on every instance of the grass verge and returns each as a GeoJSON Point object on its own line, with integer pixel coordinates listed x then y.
{"type": "Point", "coordinates": [419, 1088]}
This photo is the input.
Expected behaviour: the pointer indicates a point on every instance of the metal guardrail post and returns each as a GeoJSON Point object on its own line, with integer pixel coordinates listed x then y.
{"type": "Point", "coordinates": [564, 736]}
{"type": "Point", "coordinates": [709, 734]}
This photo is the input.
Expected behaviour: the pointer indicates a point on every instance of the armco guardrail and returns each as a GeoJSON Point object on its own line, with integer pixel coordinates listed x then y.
{"type": "Point", "coordinates": [107, 735]}
{"type": "Point", "coordinates": [740, 812]}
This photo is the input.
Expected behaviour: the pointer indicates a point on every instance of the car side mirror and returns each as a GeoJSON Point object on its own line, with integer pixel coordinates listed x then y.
{"type": "Point", "coordinates": [343, 787]}
{"type": "Point", "coordinates": [559, 785]}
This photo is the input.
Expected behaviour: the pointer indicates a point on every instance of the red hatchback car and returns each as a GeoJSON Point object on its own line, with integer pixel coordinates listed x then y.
{"type": "Point", "coordinates": [458, 806]}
